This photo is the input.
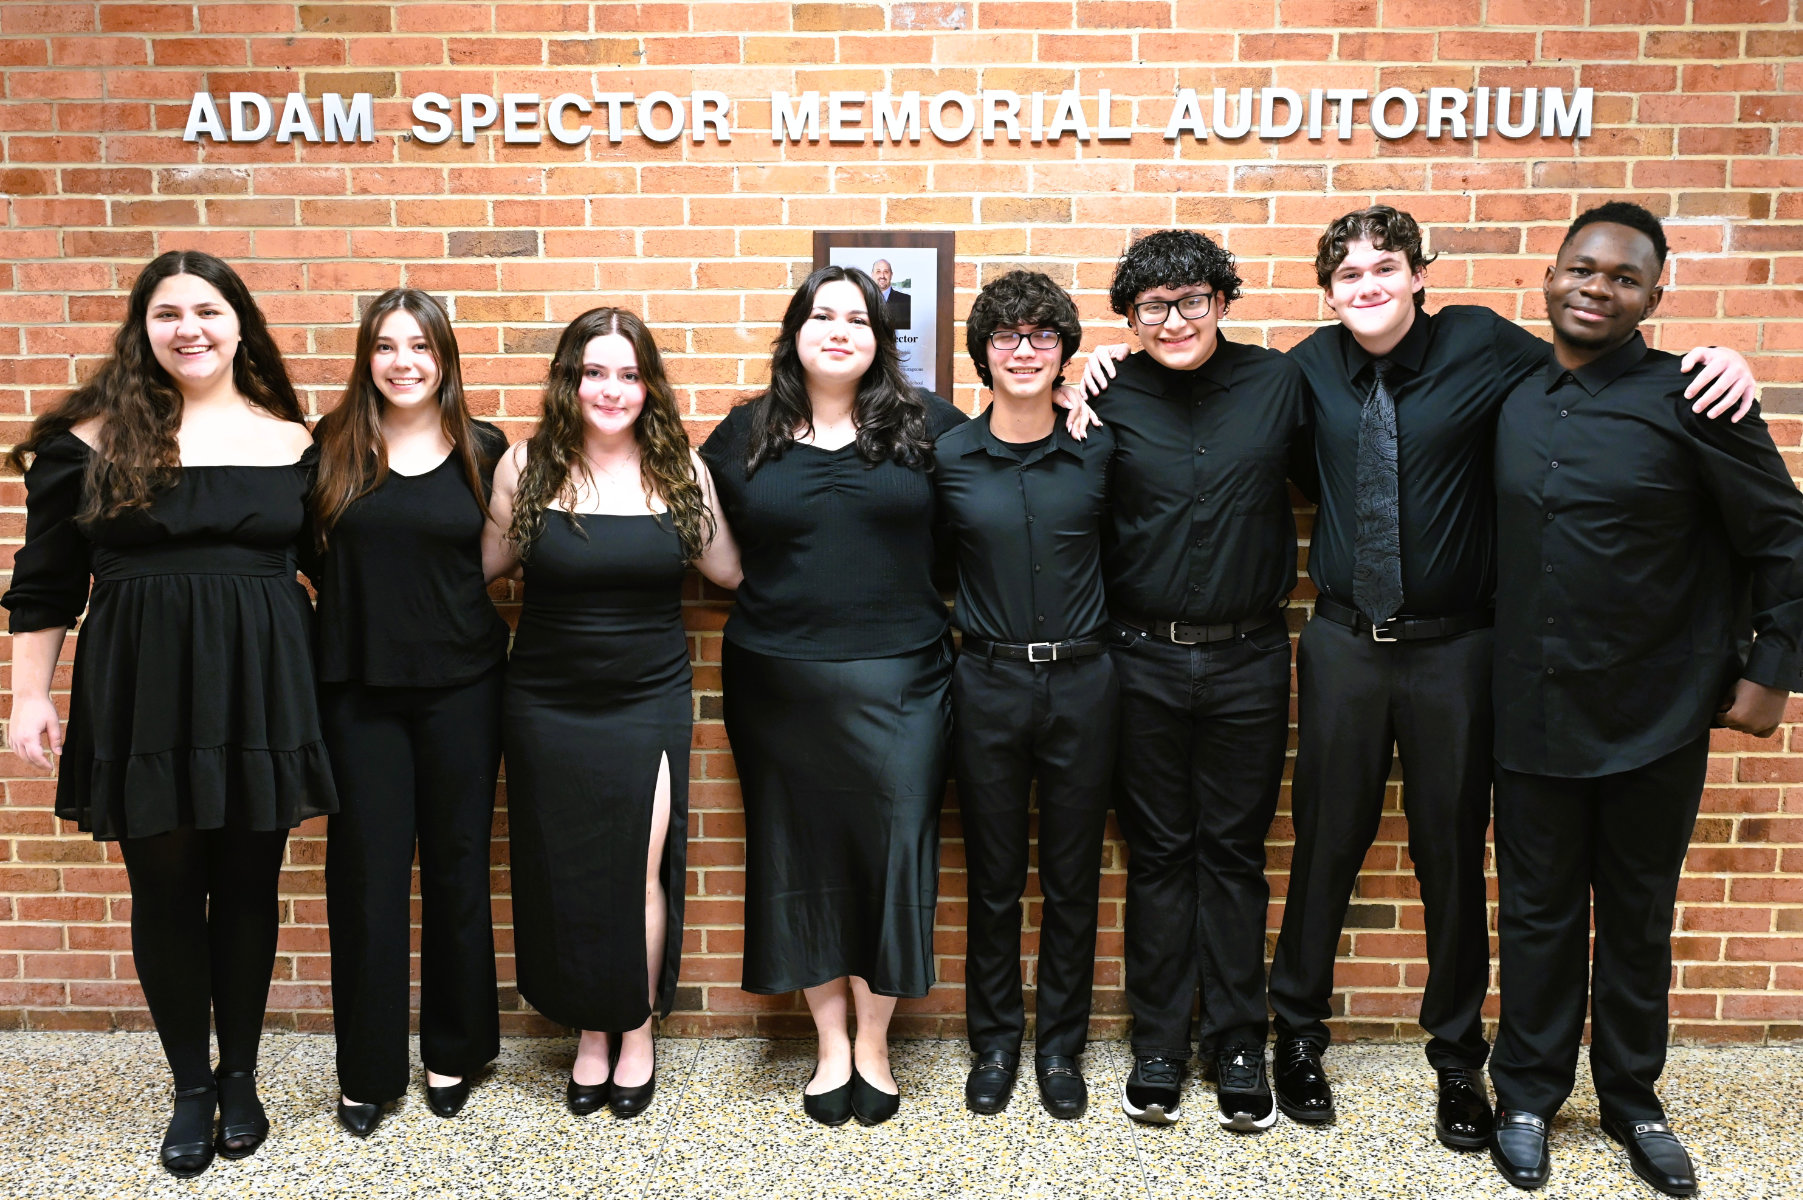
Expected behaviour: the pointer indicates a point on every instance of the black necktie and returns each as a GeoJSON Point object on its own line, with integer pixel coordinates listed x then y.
{"type": "Point", "coordinates": [1377, 546]}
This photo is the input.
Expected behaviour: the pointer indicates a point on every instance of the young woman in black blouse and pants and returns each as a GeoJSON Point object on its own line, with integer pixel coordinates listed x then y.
{"type": "Point", "coordinates": [410, 654]}
{"type": "Point", "coordinates": [836, 666]}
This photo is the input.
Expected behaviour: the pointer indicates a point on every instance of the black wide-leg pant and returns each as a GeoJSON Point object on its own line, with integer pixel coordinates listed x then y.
{"type": "Point", "coordinates": [1361, 703]}
{"type": "Point", "coordinates": [1013, 722]}
{"type": "Point", "coordinates": [412, 765]}
{"type": "Point", "coordinates": [1561, 844]}
{"type": "Point", "coordinates": [1203, 730]}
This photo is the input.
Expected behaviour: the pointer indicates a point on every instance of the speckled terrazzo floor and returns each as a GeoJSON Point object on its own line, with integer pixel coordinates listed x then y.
{"type": "Point", "coordinates": [81, 1116]}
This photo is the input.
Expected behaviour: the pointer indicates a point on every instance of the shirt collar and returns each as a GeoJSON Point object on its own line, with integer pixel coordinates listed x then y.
{"type": "Point", "coordinates": [986, 442]}
{"type": "Point", "coordinates": [1594, 376]}
{"type": "Point", "coordinates": [1410, 352]}
{"type": "Point", "coordinates": [1215, 372]}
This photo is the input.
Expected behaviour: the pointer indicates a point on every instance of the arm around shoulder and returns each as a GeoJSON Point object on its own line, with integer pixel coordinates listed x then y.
{"type": "Point", "coordinates": [719, 561]}
{"type": "Point", "coordinates": [500, 556]}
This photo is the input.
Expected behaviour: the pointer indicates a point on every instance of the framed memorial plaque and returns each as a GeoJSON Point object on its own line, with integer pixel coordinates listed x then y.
{"type": "Point", "coordinates": [914, 270]}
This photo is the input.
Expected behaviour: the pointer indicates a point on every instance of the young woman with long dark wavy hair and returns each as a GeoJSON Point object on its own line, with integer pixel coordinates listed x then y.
{"type": "Point", "coordinates": [606, 507]}
{"type": "Point", "coordinates": [835, 667]}
{"type": "Point", "coordinates": [410, 656]}
{"type": "Point", "coordinates": [176, 480]}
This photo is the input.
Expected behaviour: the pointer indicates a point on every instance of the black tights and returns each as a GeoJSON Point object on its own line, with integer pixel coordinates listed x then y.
{"type": "Point", "coordinates": [196, 958]}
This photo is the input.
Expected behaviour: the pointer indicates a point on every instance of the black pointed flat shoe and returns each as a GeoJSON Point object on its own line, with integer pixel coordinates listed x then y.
{"type": "Point", "coordinates": [869, 1103]}
{"type": "Point", "coordinates": [359, 1120]}
{"type": "Point", "coordinates": [448, 1101]}
{"type": "Point", "coordinates": [829, 1108]}
{"type": "Point", "coordinates": [242, 1122]}
{"type": "Point", "coordinates": [188, 1142]}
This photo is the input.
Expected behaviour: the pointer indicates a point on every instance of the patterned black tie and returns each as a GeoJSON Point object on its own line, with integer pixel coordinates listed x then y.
{"type": "Point", "coordinates": [1377, 547]}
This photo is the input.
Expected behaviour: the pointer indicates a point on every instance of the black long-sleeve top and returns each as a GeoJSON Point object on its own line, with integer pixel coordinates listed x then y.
{"type": "Point", "coordinates": [1028, 531]}
{"type": "Point", "coordinates": [1637, 543]}
{"type": "Point", "coordinates": [1451, 372]}
{"type": "Point", "coordinates": [1201, 528]}
{"type": "Point", "coordinates": [837, 551]}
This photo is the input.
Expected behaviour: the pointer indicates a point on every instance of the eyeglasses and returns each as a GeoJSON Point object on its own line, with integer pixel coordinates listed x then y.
{"type": "Point", "coordinates": [1039, 339]}
{"type": "Point", "coordinates": [1157, 312]}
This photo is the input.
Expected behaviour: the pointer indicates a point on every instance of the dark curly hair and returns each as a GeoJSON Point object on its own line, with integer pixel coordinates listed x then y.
{"type": "Point", "coordinates": [1020, 298]}
{"type": "Point", "coordinates": [1385, 228]}
{"type": "Point", "coordinates": [1173, 258]}
{"type": "Point", "coordinates": [1620, 212]}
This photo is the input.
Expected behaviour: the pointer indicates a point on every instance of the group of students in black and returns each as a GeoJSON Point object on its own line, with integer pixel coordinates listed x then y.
{"type": "Point", "coordinates": [1558, 525]}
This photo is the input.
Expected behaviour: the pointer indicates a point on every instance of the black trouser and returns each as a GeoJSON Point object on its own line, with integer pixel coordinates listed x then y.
{"type": "Point", "coordinates": [1202, 735]}
{"type": "Point", "coordinates": [411, 764]}
{"type": "Point", "coordinates": [203, 927]}
{"type": "Point", "coordinates": [1362, 702]}
{"type": "Point", "coordinates": [1013, 722]}
{"type": "Point", "coordinates": [1621, 838]}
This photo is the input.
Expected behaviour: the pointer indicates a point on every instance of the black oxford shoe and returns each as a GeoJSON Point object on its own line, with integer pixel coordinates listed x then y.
{"type": "Point", "coordinates": [1301, 1086]}
{"type": "Point", "coordinates": [1518, 1148]}
{"type": "Point", "coordinates": [1462, 1119]}
{"type": "Point", "coordinates": [1062, 1091]}
{"type": "Point", "coordinates": [991, 1081]}
{"type": "Point", "coordinates": [1656, 1155]}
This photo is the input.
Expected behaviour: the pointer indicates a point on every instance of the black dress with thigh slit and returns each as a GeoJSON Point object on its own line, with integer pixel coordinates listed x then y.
{"type": "Point", "coordinates": [597, 694]}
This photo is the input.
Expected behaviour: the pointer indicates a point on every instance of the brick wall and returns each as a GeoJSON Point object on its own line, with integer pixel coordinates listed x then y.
{"type": "Point", "coordinates": [1697, 110]}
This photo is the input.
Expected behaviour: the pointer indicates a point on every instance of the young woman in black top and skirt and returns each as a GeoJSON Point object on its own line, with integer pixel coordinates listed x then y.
{"type": "Point", "coordinates": [177, 480]}
{"type": "Point", "coordinates": [410, 655]}
{"type": "Point", "coordinates": [607, 506]}
{"type": "Point", "coordinates": [836, 665]}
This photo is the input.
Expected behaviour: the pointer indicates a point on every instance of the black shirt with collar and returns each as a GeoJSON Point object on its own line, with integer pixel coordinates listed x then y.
{"type": "Point", "coordinates": [1202, 529]}
{"type": "Point", "coordinates": [1028, 527]}
{"type": "Point", "coordinates": [1637, 545]}
{"type": "Point", "coordinates": [1450, 374]}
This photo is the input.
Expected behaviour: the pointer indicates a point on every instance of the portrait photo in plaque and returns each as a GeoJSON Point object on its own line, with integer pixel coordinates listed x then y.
{"type": "Point", "coordinates": [914, 272]}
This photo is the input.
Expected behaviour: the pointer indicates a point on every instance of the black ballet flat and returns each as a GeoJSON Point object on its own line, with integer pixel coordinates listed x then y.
{"type": "Point", "coordinates": [359, 1120]}
{"type": "Point", "coordinates": [188, 1142]}
{"type": "Point", "coordinates": [631, 1101]}
{"type": "Point", "coordinates": [829, 1108]}
{"type": "Point", "coordinates": [241, 1115]}
{"type": "Point", "coordinates": [869, 1103]}
{"type": "Point", "coordinates": [448, 1101]}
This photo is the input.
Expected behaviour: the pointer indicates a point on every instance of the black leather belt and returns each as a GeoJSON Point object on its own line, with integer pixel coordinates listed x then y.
{"type": "Point", "coordinates": [1195, 635]}
{"type": "Point", "coordinates": [1035, 652]}
{"type": "Point", "coordinates": [1403, 629]}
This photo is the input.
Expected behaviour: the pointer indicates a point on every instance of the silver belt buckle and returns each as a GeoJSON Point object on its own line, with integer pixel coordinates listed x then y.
{"type": "Point", "coordinates": [1378, 631]}
{"type": "Point", "coordinates": [1171, 633]}
{"type": "Point", "coordinates": [1050, 648]}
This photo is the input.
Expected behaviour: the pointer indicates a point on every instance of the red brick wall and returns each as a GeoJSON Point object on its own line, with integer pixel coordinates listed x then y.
{"type": "Point", "coordinates": [1696, 116]}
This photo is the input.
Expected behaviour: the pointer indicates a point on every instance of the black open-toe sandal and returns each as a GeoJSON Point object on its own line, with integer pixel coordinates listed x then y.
{"type": "Point", "coordinates": [188, 1142]}
{"type": "Point", "coordinates": [241, 1116]}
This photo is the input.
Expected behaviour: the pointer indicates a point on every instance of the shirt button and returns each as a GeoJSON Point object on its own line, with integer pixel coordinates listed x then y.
{"type": "Point", "coordinates": [1041, 618]}
{"type": "Point", "coordinates": [1555, 465]}
{"type": "Point", "coordinates": [1549, 620]}
{"type": "Point", "coordinates": [1549, 516]}
{"type": "Point", "coordinates": [1029, 518]}
{"type": "Point", "coordinates": [1549, 568]}
{"type": "Point", "coordinates": [1563, 413]}
{"type": "Point", "coordinates": [1201, 449]}
{"type": "Point", "coordinates": [1550, 671]}
{"type": "Point", "coordinates": [1195, 587]}
{"type": "Point", "coordinates": [1198, 543]}
{"type": "Point", "coordinates": [1036, 567]}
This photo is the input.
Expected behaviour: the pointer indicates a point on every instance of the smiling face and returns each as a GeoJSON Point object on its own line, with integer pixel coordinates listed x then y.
{"type": "Point", "coordinates": [1023, 373]}
{"type": "Point", "coordinates": [611, 393]}
{"type": "Point", "coordinates": [1604, 283]}
{"type": "Point", "coordinates": [401, 362]}
{"type": "Point", "coordinates": [836, 344]}
{"type": "Point", "coordinates": [882, 273]}
{"type": "Point", "coordinates": [1181, 343]}
{"type": "Point", "coordinates": [193, 331]}
{"type": "Point", "coordinates": [1373, 293]}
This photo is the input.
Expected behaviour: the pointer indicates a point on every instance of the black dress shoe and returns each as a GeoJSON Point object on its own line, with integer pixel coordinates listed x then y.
{"type": "Point", "coordinates": [1299, 1083]}
{"type": "Point", "coordinates": [869, 1103]}
{"type": "Point", "coordinates": [242, 1122]}
{"type": "Point", "coordinates": [1656, 1155]}
{"type": "Point", "coordinates": [448, 1101]}
{"type": "Point", "coordinates": [1518, 1148]}
{"type": "Point", "coordinates": [188, 1142]}
{"type": "Point", "coordinates": [991, 1081]}
{"type": "Point", "coordinates": [585, 1098]}
{"type": "Point", "coordinates": [1462, 1118]}
{"type": "Point", "coordinates": [829, 1108]}
{"type": "Point", "coordinates": [631, 1101]}
{"type": "Point", "coordinates": [359, 1120]}
{"type": "Point", "coordinates": [1062, 1091]}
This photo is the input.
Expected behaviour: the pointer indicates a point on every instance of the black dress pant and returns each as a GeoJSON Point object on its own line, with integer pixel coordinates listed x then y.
{"type": "Point", "coordinates": [1560, 842]}
{"type": "Point", "coordinates": [1202, 735]}
{"type": "Point", "coordinates": [411, 764]}
{"type": "Point", "coordinates": [1013, 722]}
{"type": "Point", "coordinates": [1361, 703]}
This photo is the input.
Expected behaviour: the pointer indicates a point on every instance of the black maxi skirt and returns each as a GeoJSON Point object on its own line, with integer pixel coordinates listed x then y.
{"type": "Point", "coordinates": [842, 767]}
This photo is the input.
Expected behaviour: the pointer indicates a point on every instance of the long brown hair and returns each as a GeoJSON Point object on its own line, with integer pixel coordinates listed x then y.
{"type": "Point", "coordinates": [140, 406]}
{"type": "Point", "coordinates": [353, 454]}
{"type": "Point", "coordinates": [554, 463]}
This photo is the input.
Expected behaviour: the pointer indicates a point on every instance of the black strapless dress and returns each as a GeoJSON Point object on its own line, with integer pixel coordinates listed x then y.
{"type": "Point", "coordinates": [598, 692]}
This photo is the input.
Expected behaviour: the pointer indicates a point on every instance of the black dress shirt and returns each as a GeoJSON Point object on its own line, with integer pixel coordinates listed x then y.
{"type": "Point", "coordinates": [1202, 529]}
{"type": "Point", "coordinates": [1028, 530]}
{"type": "Point", "coordinates": [1450, 375]}
{"type": "Point", "coordinates": [1638, 542]}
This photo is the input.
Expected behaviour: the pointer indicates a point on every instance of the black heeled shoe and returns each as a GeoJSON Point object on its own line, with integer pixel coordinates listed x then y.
{"type": "Point", "coordinates": [631, 1101]}
{"type": "Point", "coordinates": [829, 1108]}
{"type": "Point", "coordinates": [188, 1142]}
{"type": "Point", "coordinates": [241, 1115]}
{"type": "Point", "coordinates": [448, 1101]}
{"type": "Point", "coordinates": [359, 1120]}
{"type": "Point", "coordinates": [869, 1103]}
{"type": "Point", "coordinates": [586, 1098]}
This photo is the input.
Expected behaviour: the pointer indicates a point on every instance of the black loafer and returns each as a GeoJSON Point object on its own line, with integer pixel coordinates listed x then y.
{"type": "Point", "coordinates": [448, 1101]}
{"type": "Point", "coordinates": [1462, 1118]}
{"type": "Point", "coordinates": [991, 1082]}
{"type": "Point", "coordinates": [241, 1116]}
{"type": "Point", "coordinates": [359, 1120]}
{"type": "Point", "coordinates": [870, 1104]}
{"type": "Point", "coordinates": [1299, 1084]}
{"type": "Point", "coordinates": [1656, 1155]}
{"type": "Point", "coordinates": [1062, 1092]}
{"type": "Point", "coordinates": [586, 1098]}
{"type": "Point", "coordinates": [188, 1142]}
{"type": "Point", "coordinates": [829, 1108]}
{"type": "Point", "coordinates": [1518, 1148]}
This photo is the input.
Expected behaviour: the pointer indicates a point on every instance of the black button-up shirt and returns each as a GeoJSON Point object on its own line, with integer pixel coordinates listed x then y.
{"type": "Point", "coordinates": [1634, 539]}
{"type": "Point", "coordinates": [1028, 530]}
{"type": "Point", "coordinates": [1451, 373]}
{"type": "Point", "coordinates": [1202, 528]}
